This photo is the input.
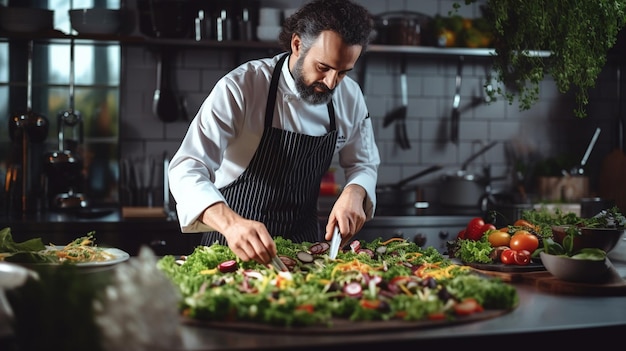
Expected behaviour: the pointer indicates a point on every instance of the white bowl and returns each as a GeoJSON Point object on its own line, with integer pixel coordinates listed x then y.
{"type": "Point", "coordinates": [268, 33]}
{"type": "Point", "coordinates": [26, 19]}
{"type": "Point", "coordinates": [577, 270]}
{"type": "Point", "coordinates": [96, 20]}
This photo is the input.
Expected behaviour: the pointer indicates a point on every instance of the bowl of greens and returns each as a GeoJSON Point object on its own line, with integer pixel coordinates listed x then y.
{"type": "Point", "coordinates": [578, 237]}
{"type": "Point", "coordinates": [588, 266]}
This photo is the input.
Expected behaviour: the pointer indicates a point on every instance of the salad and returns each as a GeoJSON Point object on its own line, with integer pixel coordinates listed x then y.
{"type": "Point", "coordinates": [374, 281]}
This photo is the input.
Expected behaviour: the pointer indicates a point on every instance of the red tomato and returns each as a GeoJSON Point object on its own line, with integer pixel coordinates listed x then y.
{"type": "Point", "coordinates": [508, 256]}
{"type": "Point", "coordinates": [522, 257]}
{"type": "Point", "coordinates": [525, 223]}
{"type": "Point", "coordinates": [370, 304]}
{"type": "Point", "coordinates": [437, 316]}
{"type": "Point", "coordinates": [461, 234]}
{"type": "Point", "coordinates": [467, 307]}
{"type": "Point", "coordinates": [473, 229]}
{"type": "Point", "coordinates": [524, 240]}
{"type": "Point", "coordinates": [306, 307]}
{"type": "Point", "coordinates": [487, 226]}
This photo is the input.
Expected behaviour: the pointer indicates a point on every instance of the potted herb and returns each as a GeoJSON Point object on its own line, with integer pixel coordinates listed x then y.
{"type": "Point", "coordinates": [577, 34]}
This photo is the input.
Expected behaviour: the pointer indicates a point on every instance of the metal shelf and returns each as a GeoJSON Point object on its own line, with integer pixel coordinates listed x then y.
{"type": "Point", "coordinates": [55, 36]}
{"type": "Point", "coordinates": [436, 51]}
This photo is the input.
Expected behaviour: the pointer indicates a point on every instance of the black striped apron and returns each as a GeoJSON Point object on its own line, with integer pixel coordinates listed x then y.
{"type": "Point", "coordinates": [281, 185]}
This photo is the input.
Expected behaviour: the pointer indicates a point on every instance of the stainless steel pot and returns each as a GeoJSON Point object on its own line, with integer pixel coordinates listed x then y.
{"type": "Point", "coordinates": [400, 198]}
{"type": "Point", "coordinates": [403, 28]}
{"type": "Point", "coordinates": [463, 188]}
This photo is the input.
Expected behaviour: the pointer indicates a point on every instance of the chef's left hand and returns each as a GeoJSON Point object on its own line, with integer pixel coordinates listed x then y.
{"type": "Point", "coordinates": [348, 213]}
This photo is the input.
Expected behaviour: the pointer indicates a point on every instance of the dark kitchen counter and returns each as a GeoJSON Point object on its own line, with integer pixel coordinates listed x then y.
{"type": "Point", "coordinates": [162, 234]}
{"type": "Point", "coordinates": [541, 316]}
{"type": "Point", "coordinates": [566, 320]}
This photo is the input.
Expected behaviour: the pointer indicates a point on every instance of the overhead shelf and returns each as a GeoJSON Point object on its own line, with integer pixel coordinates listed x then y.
{"type": "Point", "coordinates": [436, 51]}
{"type": "Point", "coordinates": [55, 36]}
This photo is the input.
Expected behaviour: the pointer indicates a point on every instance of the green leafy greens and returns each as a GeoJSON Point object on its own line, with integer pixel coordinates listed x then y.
{"type": "Point", "coordinates": [315, 293]}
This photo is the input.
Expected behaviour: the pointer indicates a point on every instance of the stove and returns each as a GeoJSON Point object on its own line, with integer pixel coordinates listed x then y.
{"type": "Point", "coordinates": [432, 225]}
{"type": "Point", "coordinates": [423, 230]}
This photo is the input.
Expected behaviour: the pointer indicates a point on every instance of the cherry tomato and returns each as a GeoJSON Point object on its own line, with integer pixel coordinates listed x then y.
{"type": "Point", "coordinates": [467, 306]}
{"type": "Point", "coordinates": [524, 240]}
{"type": "Point", "coordinates": [524, 223]}
{"type": "Point", "coordinates": [461, 234]}
{"type": "Point", "coordinates": [521, 257]}
{"type": "Point", "coordinates": [499, 238]}
{"type": "Point", "coordinates": [487, 226]}
{"type": "Point", "coordinates": [508, 257]}
{"type": "Point", "coordinates": [473, 229]}
{"type": "Point", "coordinates": [437, 316]}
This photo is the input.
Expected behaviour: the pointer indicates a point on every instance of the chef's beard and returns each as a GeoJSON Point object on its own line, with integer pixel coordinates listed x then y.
{"type": "Point", "coordinates": [308, 92]}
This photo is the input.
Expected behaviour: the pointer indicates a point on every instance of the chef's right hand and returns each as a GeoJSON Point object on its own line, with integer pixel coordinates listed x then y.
{"type": "Point", "coordinates": [248, 239]}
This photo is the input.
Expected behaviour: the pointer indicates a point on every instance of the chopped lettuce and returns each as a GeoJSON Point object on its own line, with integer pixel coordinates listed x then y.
{"type": "Point", "coordinates": [8, 245]}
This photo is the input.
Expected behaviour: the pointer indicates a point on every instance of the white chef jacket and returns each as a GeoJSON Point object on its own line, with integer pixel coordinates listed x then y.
{"type": "Point", "coordinates": [226, 131]}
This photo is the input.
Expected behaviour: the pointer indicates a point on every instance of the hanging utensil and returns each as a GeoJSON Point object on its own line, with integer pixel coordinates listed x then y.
{"type": "Point", "coordinates": [64, 166]}
{"type": "Point", "coordinates": [456, 114]}
{"type": "Point", "coordinates": [579, 170]}
{"type": "Point", "coordinates": [404, 140]}
{"type": "Point", "coordinates": [24, 130]}
{"type": "Point", "coordinates": [165, 103]}
{"type": "Point", "coordinates": [71, 117]}
{"type": "Point", "coordinates": [478, 153]}
{"type": "Point", "coordinates": [398, 115]}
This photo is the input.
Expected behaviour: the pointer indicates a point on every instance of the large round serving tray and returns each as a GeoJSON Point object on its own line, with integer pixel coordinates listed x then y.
{"type": "Point", "coordinates": [340, 326]}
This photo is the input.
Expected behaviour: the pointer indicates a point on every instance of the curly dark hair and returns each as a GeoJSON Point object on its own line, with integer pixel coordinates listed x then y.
{"type": "Point", "coordinates": [350, 20]}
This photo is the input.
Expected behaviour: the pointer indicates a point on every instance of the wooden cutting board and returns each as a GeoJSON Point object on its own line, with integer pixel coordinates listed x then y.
{"type": "Point", "coordinates": [615, 286]}
{"type": "Point", "coordinates": [544, 281]}
{"type": "Point", "coordinates": [508, 273]}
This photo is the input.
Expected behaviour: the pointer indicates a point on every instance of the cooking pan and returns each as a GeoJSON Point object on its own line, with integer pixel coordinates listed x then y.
{"type": "Point", "coordinates": [463, 188]}
{"type": "Point", "coordinates": [399, 198]}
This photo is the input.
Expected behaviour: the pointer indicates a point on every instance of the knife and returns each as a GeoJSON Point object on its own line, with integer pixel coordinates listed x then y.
{"type": "Point", "coordinates": [335, 242]}
{"type": "Point", "coordinates": [279, 265]}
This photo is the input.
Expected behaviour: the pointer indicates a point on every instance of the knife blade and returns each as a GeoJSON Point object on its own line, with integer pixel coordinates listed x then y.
{"type": "Point", "coordinates": [279, 265]}
{"type": "Point", "coordinates": [335, 242]}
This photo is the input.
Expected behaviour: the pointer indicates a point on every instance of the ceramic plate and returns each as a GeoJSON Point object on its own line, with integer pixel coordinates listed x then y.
{"type": "Point", "coordinates": [118, 257]}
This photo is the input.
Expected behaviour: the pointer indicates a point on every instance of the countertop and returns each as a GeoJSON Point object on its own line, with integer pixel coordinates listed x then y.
{"type": "Point", "coordinates": [567, 319]}
{"type": "Point", "coordinates": [112, 227]}
{"type": "Point", "coordinates": [541, 316]}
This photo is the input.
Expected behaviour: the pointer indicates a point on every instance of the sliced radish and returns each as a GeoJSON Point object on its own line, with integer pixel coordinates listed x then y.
{"type": "Point", "coordinates": [288, 261]}
{"type": "Point", "coordinates": [368, 252]}
{"type": "Point", "coordinates": [355, 246]}
{"type": "Point", "coordinates": [353, 289]}
{"type": "Point", "coordinates": [227, 266]}
{"type": "Point", "coordinates": [305, 257]}
{"type": "Point", "coordinates": [319, 248]}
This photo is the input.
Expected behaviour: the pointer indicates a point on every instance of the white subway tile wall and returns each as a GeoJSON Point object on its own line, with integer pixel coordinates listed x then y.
{"type": "Point", "coordinates": [549, 128]}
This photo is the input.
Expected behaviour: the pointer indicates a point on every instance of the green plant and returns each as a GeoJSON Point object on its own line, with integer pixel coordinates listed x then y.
{"type": "Point", "coordinates": [576, 33]}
